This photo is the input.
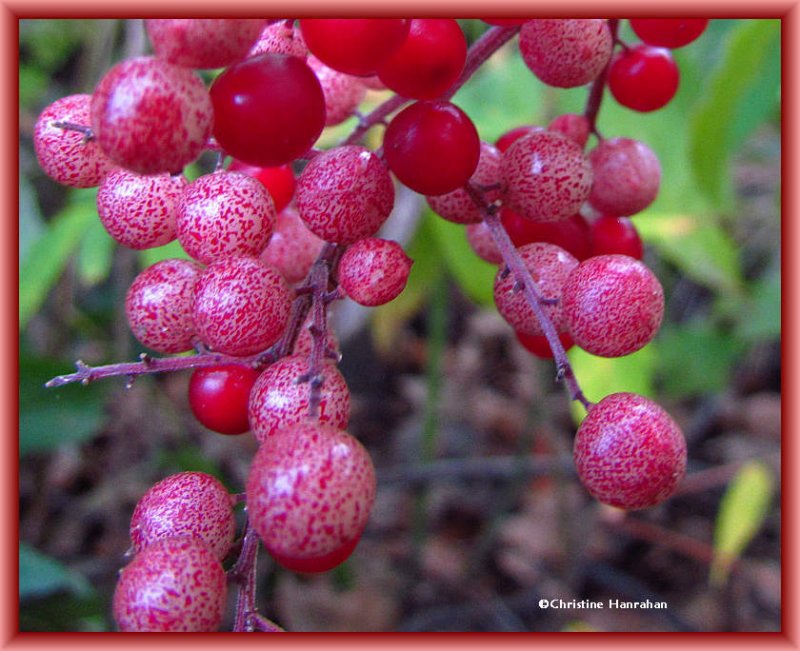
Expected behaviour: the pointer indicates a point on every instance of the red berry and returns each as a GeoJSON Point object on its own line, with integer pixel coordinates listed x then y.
{"type": "Point", "coordinates": [615, 235]}
{"type": "Point", "coordinates": [278, 180]}
{"type": "Point", "coordinates": [669, 32]}
{"type": "Point", "coordinates": [309, 494]}
{"type": "Point", "coordinates": [480, 239]}
{"type": "Point", "coordinates": [573, 126]}
{"type": "Point", "coordinates": [627, 176]}
{"type": "Point", "coordinates": [269, 109]}
{"type": "Point", "coordinates": [571, 234]}
{"type": "Point", "coordinates": [292, 248]}
{"type": "Point", "coordinates": [343, 93]}
{"type": "Point", "coordinates": [374, 271]}
{"type": "Point", "coordinates": [512, 135]}
{"type": "Point", "coordinates": [432, 147]}
{"type": "Point", "coordinates": [218, 397]}
{"type": "Point", "coordinates": [643, 78]}
{"type": "Point", "coordinates": [539, 346]}
{"type": "Point", "coordinates": [629, 453]}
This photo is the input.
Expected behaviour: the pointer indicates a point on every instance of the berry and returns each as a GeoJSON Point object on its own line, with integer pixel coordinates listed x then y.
{"type": "Point", "coordinates": [547, 176]}
{"type": "Point", "coordinates": [356, 46]}
{"type": "Point", "coordinates": [343, 93]}
{"type": "Point", "coordinates": [629, 453]}
{"type": "Point", "coordinates": [566, 52]}
{"type": "Point", "coordinates": [512, 135]}
{"type": "Point", "coordinates": [64, 154]}
{"type": "Point", "coordinates": [269, 109]}
{"type": "Point", "coordinates": [432, 147]}
{"type": "Point", "coordinates": [549, 266]}
{"type": "Point", "coordinates": [374, 271]}
{"type": "Point", "coordinates": [344, 194]}
{"type": "Point", "coordinates": [203, 42]}
{"type": "Point", "coordinates": [175, 585]}
{"type": "Point", "coordinates": [643, 78]}
{"type": "Point", "coordinates": [304, 344]}
{"type": "Point", "coordinates": [241, 306]}
{"type": "Point", "coordinates": [429, 61]}
{"type": "Point", "coordinates": [281, 37]}
{"type": "Point", "coordinates": [539, 346]}
{"type": "Point", "coordinates": [140, 211]}
{"type": "Point", "coordinates": [292, 248]}
{"type": "Point", "coordinates": [573, 126]}
{"type": "Point", "coordinates": [505, 22]}
{"type": "Point", "coordinates": [627, 176]}
{"type": "Point", "coordinates": [158, 305]}
{"type": "Point", "coordinates": [187, 504]}
{"type": "Point", "coordinates": [615, 235]}
{"type": "Point", "coordinates": [151, 116]}
{"type": "Point", "coordinates": [612, 305]}
{"type": "Point", "coordinates": [571, 234]}
{"type": "Point", "coordinates": [218, 397]}
{"type": "Point", "coordinates": [281, 396]}
{"type": "Point", "coordinates": [279, 181]}
{"type": "Point", "coordinates": [480, 239]}
{"type": "Point", "coordinates": [668, 32]}
{"type": "Point", "coordinates": [309, 494]}
{"type": "Point", "coordinates": [223, 214]}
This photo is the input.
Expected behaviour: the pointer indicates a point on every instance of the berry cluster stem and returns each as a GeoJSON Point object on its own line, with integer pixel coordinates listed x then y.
{"type": "Point", "coordinates": [598, 87]}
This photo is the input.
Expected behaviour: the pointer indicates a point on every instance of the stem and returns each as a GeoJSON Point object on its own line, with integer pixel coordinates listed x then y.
{"type": "Point", "coordinates": [87, 132]}
{"type": "Point", "coordinates": [244, 573]}
{"type": "Point", "coordinates": [598, 87]}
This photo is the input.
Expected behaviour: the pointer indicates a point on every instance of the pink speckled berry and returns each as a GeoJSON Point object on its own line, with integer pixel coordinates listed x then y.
{"type": "Point", "coordinates": [280, 397]}
{"type": "Point", "coordinates": [186, 504]}
{"type": "Point", "coordinates": [343, 93]}
{"type": "Point", "coordinates": [566, 52]}
{"type": "Point", "coordinates": [458, 206]}
{"type": "Point", "coordinates": [629, 452]}
{"type": "Point", "coordinates": [304, 343]}
{"type": "Point", "coordinates": [549, 265]}
{"type": "Point", "coordinates": [151, 116]}
{"type": "Point", "coordinates": [159, 305]}
{"type": "Point", "coordinates": [480, 239]}
{"type": "Point", "coordinates": [613, 305]}
{"type": "Point", "coordinates": [203, 42]}
{"type": "Point", "coordinates": [309, 495]}
{"type": "Point", "coordinates": [241, 305]}
{"type": "Point", "coordinates": [344, 194]}
{"type": "Point", "coordinates": [292, 248]}
{"type": "Point", "coordinates": [139, 211]}
{"type": "Point", "coordinates": [223, 214]}
{"type": "Point", "coordinates": [175, 585]}
{"type": "Point", "coordinates": [627, 175]}
{"type": "Point", "coordinates": [374, 271]}
{"type": "Point", "coordinates": [573, 126]}
{"type": "Point", "coordinates": [62, 153]}
{"type": "Point", "coordinates": [281, 37]}
{"type": "Point", "coordinates": [547, 176]}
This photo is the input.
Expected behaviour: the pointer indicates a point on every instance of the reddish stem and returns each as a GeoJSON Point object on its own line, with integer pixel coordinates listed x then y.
{"type": "Point", "coordinates": [598, 87]}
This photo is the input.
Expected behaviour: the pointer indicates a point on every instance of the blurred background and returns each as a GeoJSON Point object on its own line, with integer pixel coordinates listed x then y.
{"type": "Point", "coordinates": [479, 514]}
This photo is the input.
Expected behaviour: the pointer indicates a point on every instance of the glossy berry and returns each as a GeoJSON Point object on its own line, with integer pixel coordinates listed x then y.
{"type": "Point", "coordinates": [612, 305]}
{"type": "Point", "coordinates": [344, 194]}
{"type": "Point", "coordinates": [269, 109]}
{"type": "Point", "coordinates": [538, 345]}
{"type": "Point", "coordinates": [343, 93]}
{"type": "Point", "coordinates": [627, 176]}
{"type": "Point", "coordinates": [512, 135]}
{"type": "Point", "coordinates": [223, 214]}
{"type": "Point", "coordinates": [668, 32]}
{"type": "Point", "coordinates": [218, 397]}
{"type": "Point", "coordinates": [64, 154]}
{"type": "Point", "coordinates": [280, 37]}
{"type": "Point", "coordinates": [629, 452]}
{"type": "Point", "coordinates": [429, 61]}
{"type": "Point", "coordinates": [309, 494]}
{"type": "Point", "coordinates": [292, 248]}
{"type": "Point", "coordinates": [175, 585]}
{"type": "Point", "coordinates": [279, 181]}
{"type": "Point", "coordinates": [643, 78]}
{"type": "Point", "coordinates": [151, 116]}
{"type": "Point", "coordinates": [281, 396]}
{"type": "Point", "coordinates": [458, 206]}
{"type": "Point", "coordinates": [549, 266]}
{"type": "Point", "coordinates": [573, 126]}
{"type": "Point", "coordinates": [140, 211]}
{"type": "Point", "coordinates": [571, 234]}
{"type": "Point", "coordinates": [480, 239]}
{"type": "Point", "coordinates": [186, 504]}
{"type": "Point", "coordinates": [547, 177]}
{"type": "Point", "coordinates": [615, 235]}
{"type": "Point", "coordinates": [158, 305]}
{"type": "Point", "coordinates": [241, 306]}
{"type": "Point", "coordinates": [566, 52]}
{"type": "Point", "coordinates": [374, 271]}
{"type": "Point", "coordinates": [203, 42]}
{"type": "Point", "coordinates": [432, 147]}
{"type": "Point", "coordinates": [356, 46]}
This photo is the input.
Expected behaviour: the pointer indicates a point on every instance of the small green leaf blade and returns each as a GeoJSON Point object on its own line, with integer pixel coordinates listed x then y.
{"type": "Point", "coordinates": [41, 575]}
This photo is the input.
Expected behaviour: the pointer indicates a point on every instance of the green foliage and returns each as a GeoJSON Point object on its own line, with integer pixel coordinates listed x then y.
{"type": "Point", "coordinates": [41, 575]}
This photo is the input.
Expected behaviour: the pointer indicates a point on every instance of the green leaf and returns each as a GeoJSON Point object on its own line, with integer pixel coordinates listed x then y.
{"type": "Point", "coordinates": [41, 575]}
{"type": "Point", "coordinates": [761, 319]}
{"type": "Point", "coordinates": [742, 511]}
{"type": "Point", "coordinates": [96, 254]}
{"type": "Point", "coordinates": [157, 254]}
{"type": "Point", "coordinates": [31, 224]}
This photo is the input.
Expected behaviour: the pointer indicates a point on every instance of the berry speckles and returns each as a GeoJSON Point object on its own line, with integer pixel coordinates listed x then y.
{"type": "Point", "coordinates": [629, 452]}
{"type": "Point", "coordinates": [374, 271]}
{"type": "Point", "coordinates": [627, 176]}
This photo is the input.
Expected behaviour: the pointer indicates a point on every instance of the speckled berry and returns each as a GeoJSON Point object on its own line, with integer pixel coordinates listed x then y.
{"type": "Point", "coordinates": [547, 176]}
{"type": "Point", "coordinates": [186, 504]}
{"type": "Point", "coordinates": [159, 302]}
{"type": "Point", "coordinates": [241, 305]}
{"type": "Point", "coordinates": [374, 271]}
{"type": "Point", "coordinates": [292, 248]}
{"type": "Point", "coordinates": [480, 239]}
{"type": "Point", "coordinates": [64, 154]}
{"type": "Point", "coordinates": [281, 37]}
{"type": "Point", "coordinates": [549, 265]}
{"type": "Point", "coordinates": [151, 116]}
{"type": "Point", "coordinates": [629, 452]}
{"type": "Point", "coordinates": [304, 343]}
{"type": "Point", "coordinates": [344, 194]}
{"type": "Point", "coordinates": [310, 491]}
{"type": "Point", "coordinates": [223, 214]}
{"type": "Point", "coordinates": [627, 176]}
{"type": "Point", "coordinates": [573, 125]}
{"type": "Point", "coordinates": [139, 211]}
{"type": "Point", "coordinates": [280, 397]}
{"type": "Point", "coordinates": [612, 305]}
{"type": "Point", "coordinates": [175, 585]}
{"type": "Point", "coordinates": [343, 93]}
